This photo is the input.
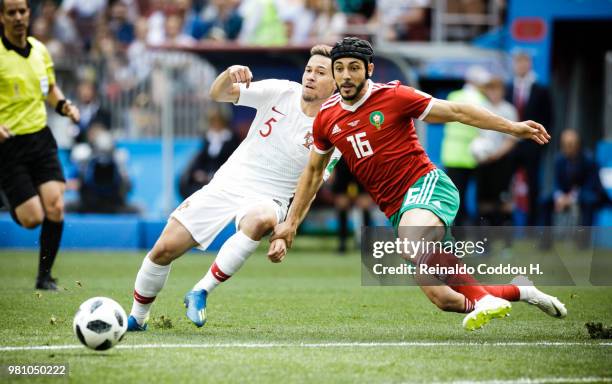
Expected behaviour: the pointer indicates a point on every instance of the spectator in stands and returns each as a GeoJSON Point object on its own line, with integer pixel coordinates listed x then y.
{"type": "Point", "coordinates": [116, 75]}
{"type": "Point", "coordinates": [532, 102]}
{"type": "Point", "coordinates": [103, 183]}
{"type": "Point", "coordinates": [85, 15]}
{"type": "Point", "coordinates": [359, 10]}
{"type": "Point", "coordinates": [457, 157]}
{"type": "Point", "coordinates": [469, 9]}
{"type": "Point", "coordinates": [328, 24]}
{"type": "Point", "coordinates": [156, 19]}
{"type": "Point", "coordinates": [576, 182]}
{"type": "Point", "coordinates": [42, 31]}
{"type": "Point", "coordinates": [262, 23]}
{"type": "Point", "coordinates": [91, 110]}
{"type": "Point", "coordinates": [348, 193]}
{"type": "Point", "coordinates": [138, 55]}
{"type": "Point", "coordinates": [297, 21]}
{"type": "Point", "coordinates": [173, 31]}
{"type": "Point", "coordinates": [60, 25]}
{"type": "Point", "coordinates": [143, 118]}
{"type": "Point", "coordinates": [193, 24]}
{"type": "Point", "coordinates": [491, 149]}
{"type": "Point", "coordinates": [119, 23]}
{"type": "Point", "coordinates": [218, 144]}
{"type": "Point", "coordinates": [222, 20]}
{"type": "Point", "coordinates": [403, 19]}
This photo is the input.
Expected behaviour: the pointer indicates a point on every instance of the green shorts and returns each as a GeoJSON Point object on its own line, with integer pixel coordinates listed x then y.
{"type": "Point", "coordinates": [435, 192]}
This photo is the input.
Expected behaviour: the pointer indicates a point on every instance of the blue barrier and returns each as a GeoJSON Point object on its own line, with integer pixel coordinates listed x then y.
{"type": "Point", "coordinates": [80, 231]}
{"type": "Point", "coordinates": [107, 232]}
{"type": "Point", "coordinates": [144, 169]}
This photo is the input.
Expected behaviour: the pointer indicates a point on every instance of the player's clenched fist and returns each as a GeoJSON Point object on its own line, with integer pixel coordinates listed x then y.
{"type": "Point", "coordinates": [240, 74]}
{"type": "Point", "coordinates": [277, 251]}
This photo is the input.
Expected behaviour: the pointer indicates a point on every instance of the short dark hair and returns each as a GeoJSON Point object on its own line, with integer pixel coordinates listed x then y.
{"type": "Point", "coordinates": [2, 5]}
{"type": "Point", "coordinates": [319, 49]}
{"type": "Point", "coordinates": [353, 47]}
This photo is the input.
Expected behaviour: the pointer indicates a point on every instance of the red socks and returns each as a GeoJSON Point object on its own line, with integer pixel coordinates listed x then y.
{"type": "Point", "coordinates": [465, 284]}
{"type": "Point", "coordinates": [508, 292]}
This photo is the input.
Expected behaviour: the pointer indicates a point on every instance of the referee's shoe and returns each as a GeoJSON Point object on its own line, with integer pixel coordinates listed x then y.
{"type": "Point", "coordinates": [46, 283]}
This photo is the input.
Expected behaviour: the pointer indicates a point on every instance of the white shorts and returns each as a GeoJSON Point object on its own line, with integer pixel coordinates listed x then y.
{"type": "Point", "coordinates": [210, 209]}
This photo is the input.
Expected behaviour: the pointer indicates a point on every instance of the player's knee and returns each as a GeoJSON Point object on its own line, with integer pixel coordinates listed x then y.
{"type": "Point", "coordinates": [164, 252]}
{"type": "Point", "coordinates": [55, 209]}
{"type": "Point", "coordinates": [32, 220]}
{"type": "Point", "coordinates": [257, 224]}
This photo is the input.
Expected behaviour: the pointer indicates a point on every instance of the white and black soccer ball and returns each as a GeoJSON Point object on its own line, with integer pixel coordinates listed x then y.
{"type": "Point", "coordinates": [100, 323]}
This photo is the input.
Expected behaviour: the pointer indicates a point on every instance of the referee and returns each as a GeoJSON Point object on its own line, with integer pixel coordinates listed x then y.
{"type": "Point", "coordinates": [30, 173]}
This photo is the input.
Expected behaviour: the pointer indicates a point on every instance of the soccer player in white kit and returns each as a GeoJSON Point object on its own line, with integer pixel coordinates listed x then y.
{"type": "Point", "coordinates": [253, 188]}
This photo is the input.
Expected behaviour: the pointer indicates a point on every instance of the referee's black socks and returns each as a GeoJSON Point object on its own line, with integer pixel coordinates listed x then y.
{"type": "Point", "coordinates": [50, 237]}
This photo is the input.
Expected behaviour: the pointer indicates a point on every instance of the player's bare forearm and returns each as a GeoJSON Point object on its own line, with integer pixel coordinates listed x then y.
{"type": "Point", "coordinates": [309, 184]}
{"type": "Point", "coordinates": [307, 187]}
{"type": "Point", "coordinates": [443, 111]}
{"type": "Point", "coordinates": [67, 108]}
{"type": "Point", "coordinates": [55, 95]}
{"type": "Point", "coordinates": [226, 87]}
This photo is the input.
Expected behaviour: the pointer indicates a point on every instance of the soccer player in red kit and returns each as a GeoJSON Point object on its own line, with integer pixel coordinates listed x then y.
{"type": "Point", "coordinates": [371, 124]}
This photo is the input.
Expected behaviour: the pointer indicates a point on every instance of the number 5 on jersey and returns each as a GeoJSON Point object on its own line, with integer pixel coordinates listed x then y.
{"type": "Point", "coordinates": [361, 147]}
{"type": "Point", "coordinates": [269, 125]}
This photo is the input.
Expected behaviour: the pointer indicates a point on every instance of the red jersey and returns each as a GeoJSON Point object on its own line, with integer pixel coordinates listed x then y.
{"type": "Point", "coordinates": [377, 139]}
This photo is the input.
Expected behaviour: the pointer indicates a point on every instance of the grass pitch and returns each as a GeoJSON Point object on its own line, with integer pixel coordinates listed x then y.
{"type": "Point", "coordinates": [307, 319]}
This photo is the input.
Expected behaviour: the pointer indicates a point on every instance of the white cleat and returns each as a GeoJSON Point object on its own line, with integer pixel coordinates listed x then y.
{"type": "Point", "coordinates": [486, 309]}
{"type": "Point", "coordinates": [547, 303]}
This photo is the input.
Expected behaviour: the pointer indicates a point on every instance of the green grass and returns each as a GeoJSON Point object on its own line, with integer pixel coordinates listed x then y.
{"type": "Point", "coordinates": [314, 296]}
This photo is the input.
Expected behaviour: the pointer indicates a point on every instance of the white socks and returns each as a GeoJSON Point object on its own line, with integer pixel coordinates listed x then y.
{"type": "Point", "coordinates": [232, 255]}
{"type": "Point", "coordinates": [525, 287]}
{"type": "Point", "coordinates": [149, 281]}
{"type": "Point", "coordinates": [152, 277]}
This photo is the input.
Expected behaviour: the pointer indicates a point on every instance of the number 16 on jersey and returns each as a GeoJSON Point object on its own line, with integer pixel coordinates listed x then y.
{"type": "Point", "coordinates": [361, 147]}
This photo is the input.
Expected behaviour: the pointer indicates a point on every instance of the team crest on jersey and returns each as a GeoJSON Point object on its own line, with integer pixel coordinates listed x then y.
{"type": "Point", "coordinates": [377, 119]}
{"type": "Point", "coordinates": [183, 206]}
{"type": "Point", "coordinates": [308, 140]}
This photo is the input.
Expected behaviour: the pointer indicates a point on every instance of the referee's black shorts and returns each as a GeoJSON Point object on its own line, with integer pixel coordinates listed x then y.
{"type": "Point", "coordinates": [343, 179]}
{"type": "Point", "coordinates": [26, 162]}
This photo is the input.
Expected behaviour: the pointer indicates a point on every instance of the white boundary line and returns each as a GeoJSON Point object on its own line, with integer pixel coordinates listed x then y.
{"type": "Point", "coordinates": [317, 345]}
{"type": "Point", "coordinates": [540, 380]}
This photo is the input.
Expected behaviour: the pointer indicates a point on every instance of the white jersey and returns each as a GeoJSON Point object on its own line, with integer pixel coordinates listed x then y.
{"type": "Point", "coordinates": [264, 169]}
{"type": "Point", "coordinates": [270, 160]}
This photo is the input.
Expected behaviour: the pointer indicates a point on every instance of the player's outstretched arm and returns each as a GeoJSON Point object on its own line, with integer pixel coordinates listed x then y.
{"type": "Point", "coordinates": [307, 188]}
{"type": "Point", "coordinates": [63, 106]}
{"type": "Point", "coordinates": [443, 111]}
{"type": "Point", "coordinates": [226, 87]}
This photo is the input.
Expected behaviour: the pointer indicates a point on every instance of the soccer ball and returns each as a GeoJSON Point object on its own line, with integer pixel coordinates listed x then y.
{"type": "Point", "coordinates": [100, 323]}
